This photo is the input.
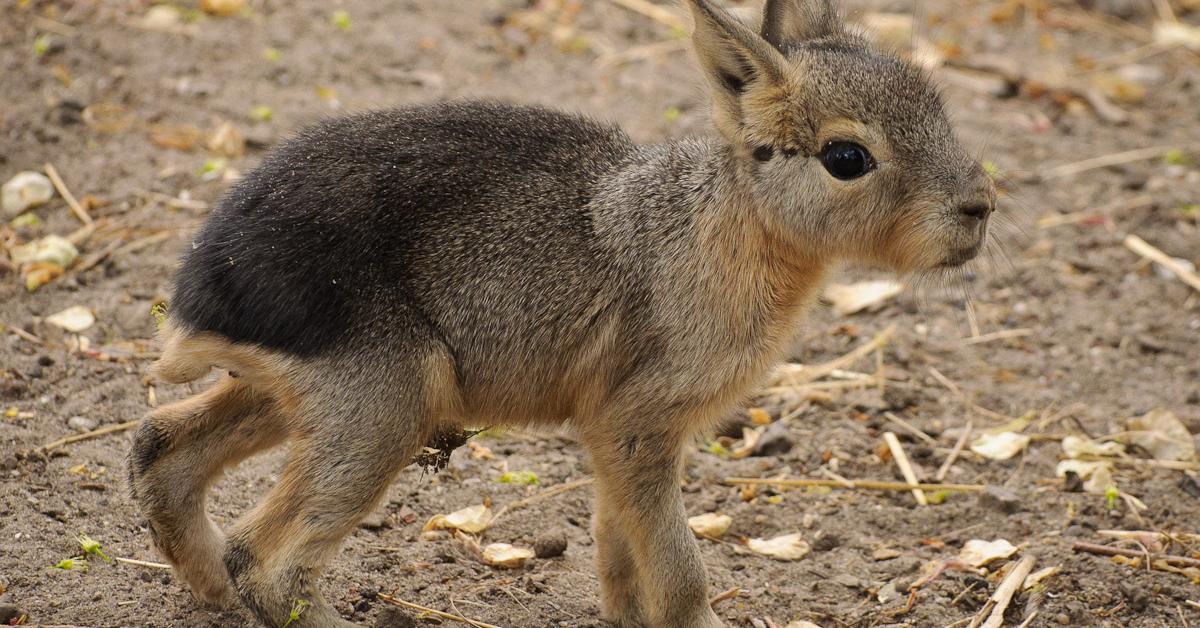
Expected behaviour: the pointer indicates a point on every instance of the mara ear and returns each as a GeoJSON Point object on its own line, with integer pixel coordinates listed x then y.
{"type": "Point", "coordinates": [732, 56]}
{"type": "Point", "coordinates": [792, 21]}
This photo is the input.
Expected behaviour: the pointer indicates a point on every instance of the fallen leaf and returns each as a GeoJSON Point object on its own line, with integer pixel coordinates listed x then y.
{"type": "Point", "coordinates": [473, 520]}
{"type": "Point", "coordinates": [978, 552]}
{"type": "Point", "coordinates": [1000, 446]}
{"type": "Point", "coordinates": [710, 524]}
{"type": "Point", "coordinates": [1076, 446]}
{"type": "Point", "coordinates": [225, 140]}
{"type": "Point", "coordinates": [786, 547]}
{"type": "Point", "coordinates": [1096, 474]}
{"type": "Point", "coordinates": [1162, 434]}
{"type": "Point", "coordinates": [74, 319]}
{"type": "Point", "coordinates": [183, 137]}
{"type": "Point", "coordinates": [1177, 34]}
{"type": "Point", "coordinates": [856, 297]}
{"type": "Point", "coordinates": [222, 8]}
{"type": "Point", "coordinates": [506, 556]}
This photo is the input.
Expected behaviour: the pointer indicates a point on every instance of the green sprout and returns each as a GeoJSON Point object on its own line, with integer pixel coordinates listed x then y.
{"type": "Point", "coordinates": [41, 45]}
{"type": "Point", "coordinates": [91, 546]}
{"type": "Point", "coordinates": [297, 610]}
{"type": "Point", "coordinates": [272, 54]}
{"type": "Point", "coordinates": [261, 113]}
{"type": "Point", "coordinates": [518, 477]}
{"type": "Point", "coordinates": [341, 19]}
{"type": "Point", "coordinates": [716, 448]}
{"type": "Point", "coordinates": [1110, 496]}
{"type": "Point", "coordinates": [1175, 157]}
{"type": "Point", "coordinates": [28, 219]}
{"type": "Point", "coordinates": [672, 113]}
{"type": "Point", "coordinates": [937, 497]}
{"type": "Point", "coordinates": [69, 564]}
{"type": "Point", "coordinates": [213, 165]}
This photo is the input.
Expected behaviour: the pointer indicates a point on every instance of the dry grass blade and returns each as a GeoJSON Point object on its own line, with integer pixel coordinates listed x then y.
{"type": "Point", "coordinates": [1108, 550]}
{"type": "Point", "coordinates": [901, 459]}
{"type": "Point", "coordinates": [1104, 161]}
{"type": "Point", "coordinates": [1003, 334]}
{"type": "Point", "coordinates": [954, 453]}
{"type": "Point", "coordinates": [1152, 253]}
{"type": "Point", "coordinates": [653, 11]}
{"type": "Point", "coordinates": [75, 438]}
{"type": "Point", "coordinates": [797, 374]}
{"type": "Point", "coordinates": [436, 613]}
{"type": "Point", "coordinates": [141, 563]}
{"type": "Point", "coordinates": [76, 208]}
{"type": "Point", "coordinates": [546, 494]}
{"type": "Point", "coordinates": [873, 485]}
{"type": "Point", "coordinates": [911, 429]}
{"type": "Point", "coordinates": [993, 610]}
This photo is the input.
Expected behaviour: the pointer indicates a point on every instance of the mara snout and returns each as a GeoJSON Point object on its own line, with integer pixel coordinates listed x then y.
{"type": "Point", "coordinates": [384, 278]}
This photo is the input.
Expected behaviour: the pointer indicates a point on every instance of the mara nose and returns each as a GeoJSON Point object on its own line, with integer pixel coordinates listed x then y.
{"type": "Point", "coordinates": [976, 209]}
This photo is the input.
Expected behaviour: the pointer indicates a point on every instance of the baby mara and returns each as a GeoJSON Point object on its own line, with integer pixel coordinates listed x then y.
{"type": "Point", "coordinates": [387, 278]}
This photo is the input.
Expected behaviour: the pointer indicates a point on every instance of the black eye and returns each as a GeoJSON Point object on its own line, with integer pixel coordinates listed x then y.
{"type": "Point", "coordinates": [846, 160]}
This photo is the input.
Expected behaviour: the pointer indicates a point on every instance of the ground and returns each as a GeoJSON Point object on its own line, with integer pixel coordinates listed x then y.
{"type": "Point", "coordinates": [1097, 334]}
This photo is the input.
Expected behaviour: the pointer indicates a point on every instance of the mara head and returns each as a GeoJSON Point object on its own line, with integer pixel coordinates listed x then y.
{"type": "Point", "coordinates": [847, 150]}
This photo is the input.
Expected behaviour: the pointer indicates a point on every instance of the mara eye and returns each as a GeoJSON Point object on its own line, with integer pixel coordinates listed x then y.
{"type": "Point", "coordinates": [846, 160]}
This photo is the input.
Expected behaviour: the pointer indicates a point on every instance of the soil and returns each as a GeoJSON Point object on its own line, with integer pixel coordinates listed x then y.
{"type": "Point", "coordinates": [1111, 337]}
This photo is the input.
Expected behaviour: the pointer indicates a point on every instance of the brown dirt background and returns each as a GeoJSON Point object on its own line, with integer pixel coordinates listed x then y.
{"type": "Point", "coordinates": [1111, 338]}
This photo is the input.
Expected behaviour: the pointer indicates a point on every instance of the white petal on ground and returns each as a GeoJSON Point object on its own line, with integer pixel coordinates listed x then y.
{"type": "Point", "coordinates": [1162, 434]}
{"type": "Point", "coordinates": [978, 552]}
{"type": "Point", "coordinates": [472, 520]}
{"type": "Point", "coordinates": [1000, 446]}
{"type": "Point", "coordinates": [786, 547]}
{"type": "Point", "coordinates": [74, 319]}
{"type": "Point", "coordinates": [856, 297]}
{"type": "Point", "coordinates": [1076, 446]}
{"type": "Point", "coordinates": [506, 556]}
{"type": "Point", "coordinates": [710, 524]}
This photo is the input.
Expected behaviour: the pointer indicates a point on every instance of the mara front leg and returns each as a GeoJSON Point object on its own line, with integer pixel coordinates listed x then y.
{"type": "Point", "coordinates": [642, 521]}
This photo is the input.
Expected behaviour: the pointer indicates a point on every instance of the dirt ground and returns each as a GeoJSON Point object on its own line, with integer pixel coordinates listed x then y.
{"type": "Point", "coordinates": [114, 103]}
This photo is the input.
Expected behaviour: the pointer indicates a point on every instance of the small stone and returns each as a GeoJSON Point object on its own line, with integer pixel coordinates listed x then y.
{"type": "Point", "coordinates": [1063, 619]}
{"type": "Point", "coordinates": [82, 423]}
{"type": "Point", "coordinates": [27, 189]}
{"type": "Point", "coordinates": [368, 592]}
{"type": "Point", "coordinates": [392, 617]}
{"type": "Point", "coordinates": [1000, 499]}
{"type": "Point", "coordinates": [45, 360]}
{"type": "Point", "coordinates": [550, 545]}
{"type": "Point", "coordinates": [775, 440]}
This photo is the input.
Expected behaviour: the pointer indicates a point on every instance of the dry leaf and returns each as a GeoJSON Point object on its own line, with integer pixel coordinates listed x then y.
{"type": "Point", "coordinates": [51, 249]}
{"type": "Point", "coordinates": [473, 520]}
{"type": "Point", "coordinates": [710, 524]}
{"type": "Point", "coordinates": [506, 556]}
{"type": "Point", "coordinates": [1000, 446]}
{"type": "Point", "coordinates": [1177, 34]}
{"type": "Point", "coordinates": [786, 547]}
{"type": "Point", "coordinates": [856, 297]}
{"type": "Point", "coordinates": [222, 8]}
{"type": "Point", "coordinates": [1076, 446]}
{"type": "Point", "coordinates": [226, 140]}
{"type": "Point", "coordinates": [182, 137]}
{"type": "Point", "coordinates": [1096, 474]}
{"type": "Point", "coordinates": [74, 319]}
{"type": "Point", "coordinates": [1162, 434]}
{"type": "Point", "coordinates": [978, 553]}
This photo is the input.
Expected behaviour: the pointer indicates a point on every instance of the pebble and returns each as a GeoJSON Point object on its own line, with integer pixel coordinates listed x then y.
{"type": "Point", "coordinates": [27, 189]}
{"type": "Point", "coordinates": [826, 542]}
{"type": "Point", "coordinates": [550, 545]}
{"type": "Point", "coordinates": [82, 423]}
{"type": "Point", "coordinates": [1000, 499]}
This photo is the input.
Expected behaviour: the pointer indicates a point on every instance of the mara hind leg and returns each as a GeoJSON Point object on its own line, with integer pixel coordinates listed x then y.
{"type": "Point", "coordinates": [356, 431]}
{"type": "Point", "coordinates": [178, 452]}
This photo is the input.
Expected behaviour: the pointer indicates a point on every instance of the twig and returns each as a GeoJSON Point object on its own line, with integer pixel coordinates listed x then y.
{"type": "Point", "coordinates": [872, 485]}
{"type": "Point", "coordinates": [995, 606]}
{"type": "Point", "coordinates": [1108, 550]}
{"type": "Point", "coordinates": [17, 331]}
{"type": "Point", "coordinates": [142, 563]}
{"type": "Point", "coordinates": [424, 609]}
{"type": "Point", "coordinates": [1104, 161]}
{"type": "Point", "coordinates": [1003, 334]}
{"type": "Point", "coordinates": [911, 429]}
{"type": "Point", "coordinates": [725, 595]}
{"type": "Point", "coordinates": [961, 395]}
{"type": "Point", "coordinates": [653, 11]}
{"type": "Point", "coordinates": [546, 494]}
{"type": "Point", "coordinates": [172, 201]}
{"type": "Point", "coordinates": [78, 209]}
{"type": "Point", "coordinates": [108, 429]}
{"type": "Point", "coordinates": [799, 374]}
{"type": "Point", "coordinates": [954, 453]}
{"type": "Point", "coordinates": [1148, 251]}
{"type": "Point", "coordinates": [1192, 603]}
{"type": "Point", "coordinates": [906, 469]}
